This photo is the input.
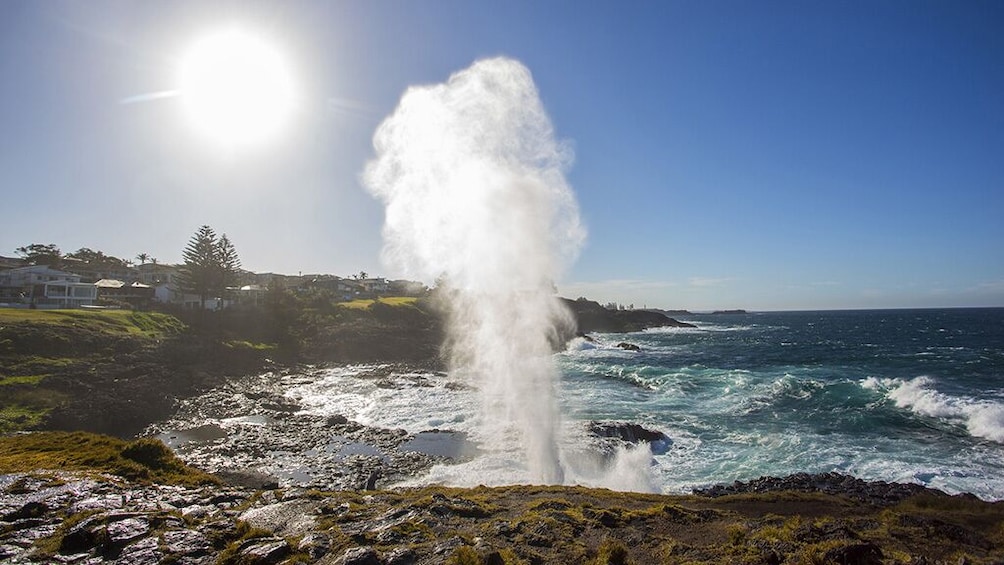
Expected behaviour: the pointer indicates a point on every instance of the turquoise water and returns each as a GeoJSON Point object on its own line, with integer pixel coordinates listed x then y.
{"type": "Point", "coordinates": [896, 395]}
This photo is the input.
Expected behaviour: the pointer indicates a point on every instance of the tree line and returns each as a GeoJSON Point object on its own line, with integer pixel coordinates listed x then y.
{"type": "Point", "coordinates": [210, 262]}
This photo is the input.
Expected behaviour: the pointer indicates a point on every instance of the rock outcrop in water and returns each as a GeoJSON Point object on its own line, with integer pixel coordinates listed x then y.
{"type": "Point", "coordinates": [590, 316]}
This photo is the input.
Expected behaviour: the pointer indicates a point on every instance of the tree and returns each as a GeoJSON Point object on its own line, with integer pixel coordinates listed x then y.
{"type": "Point", "coordinates": [211, 265]}
{"type": "Point", "coordinates": [228, 262]}
{"type": "Point", "coordinates": [97, 259]}
{"type": "Point", "coordinates": [198, 274]}
{"type": "Point", "coordinates": [143, 258]}
{"type": "Point", "coordinates": [41, 254]}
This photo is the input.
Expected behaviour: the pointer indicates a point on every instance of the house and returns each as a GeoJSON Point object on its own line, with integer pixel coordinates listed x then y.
{"type": "Point", "coordinates": [374, 287]}
{"type": "Point", "coordinates": [249, 295]}
{"type": "Point", "coordinates": [45, 287]}
{"type": "Point", "coordinates": [408, 288]}
{"type": "Point", "coordinates": [135, 294]}
{"type": "Point", "coordinates": [155, 274]}
{"type": "Point", "coordinates": [343, 289]}
{"type": "Point", "coordinates": [268, 280]}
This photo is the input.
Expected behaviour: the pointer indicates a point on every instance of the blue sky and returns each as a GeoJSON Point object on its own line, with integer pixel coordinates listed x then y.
{"type": "Point", "coordinates": [760, 155]}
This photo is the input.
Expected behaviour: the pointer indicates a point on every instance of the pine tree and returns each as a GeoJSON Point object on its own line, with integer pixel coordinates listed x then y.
{"type": "Point", "coordinates": [228, 263]}
{"type": "Point", "coordinates": [199, 274]}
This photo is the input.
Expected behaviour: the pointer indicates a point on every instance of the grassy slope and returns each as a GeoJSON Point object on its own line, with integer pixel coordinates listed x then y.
{"type": "Point", "coordinates": [35, 344]}
{"type": "Point", "coordinates": [141, 460]}
{"type": "Point", "coordinates": [114, 323]}
{"type": "Point", "coordinates": [389, 301]}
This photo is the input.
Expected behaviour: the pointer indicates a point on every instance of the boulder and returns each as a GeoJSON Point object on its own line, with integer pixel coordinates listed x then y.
{"type": "Point", "coordinates": [627, 431]}
{"type": "Point", "coordinates": [361, 556]}
{"type": "Point", "coordinates": [263, 551]}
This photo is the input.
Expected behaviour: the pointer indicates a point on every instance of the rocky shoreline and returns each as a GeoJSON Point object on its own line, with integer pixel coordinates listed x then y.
{"type": "Point", "coordinates": [250, 433]}
{"type": "Point", "coordinates": [59, 517]}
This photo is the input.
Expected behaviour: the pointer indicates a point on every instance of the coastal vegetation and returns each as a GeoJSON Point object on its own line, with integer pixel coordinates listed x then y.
{"type": "Point", "coordinates": [145, 460]}
{"type": "Point", "coordinates": [113, 371]}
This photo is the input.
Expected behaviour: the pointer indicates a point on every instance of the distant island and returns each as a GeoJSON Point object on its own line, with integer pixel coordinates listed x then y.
{"type": "Point", "coordinates": [730, 312]}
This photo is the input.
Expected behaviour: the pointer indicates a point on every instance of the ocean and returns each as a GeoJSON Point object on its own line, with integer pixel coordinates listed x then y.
{"type": "Point", "coordinates": [892, 395]}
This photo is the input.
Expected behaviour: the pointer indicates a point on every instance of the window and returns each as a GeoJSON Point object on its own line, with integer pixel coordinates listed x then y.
{"type": "Point", "coordinates": [83, 292]}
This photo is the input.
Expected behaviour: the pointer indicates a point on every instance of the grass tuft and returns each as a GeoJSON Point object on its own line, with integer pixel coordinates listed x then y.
{"type": "Point", "coordinates": [144, 460]}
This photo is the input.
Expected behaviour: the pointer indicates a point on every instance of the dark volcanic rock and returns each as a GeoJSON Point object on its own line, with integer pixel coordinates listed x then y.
{"type": "Point", "coordinates": [875, 492]}
{"type": "Point", "coordinates": [590, 316]}
{"type": "Point", "coordinates": [631, 433]}
{"type": "Point", "coordinates": [628, 346]}
{"type": "Point", "coordinates": [627, 431]}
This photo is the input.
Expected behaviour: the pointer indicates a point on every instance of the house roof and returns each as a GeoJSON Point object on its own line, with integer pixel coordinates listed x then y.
{"type": "Point", "coordinates": [114, 283]}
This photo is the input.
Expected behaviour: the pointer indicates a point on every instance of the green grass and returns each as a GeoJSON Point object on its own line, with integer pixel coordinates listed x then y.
{"type": "Point", "coordinates": [144, 460]}
{"type": "Point", "coordinates": [389, 301]}
{"type": "Point", "coordinates": [248, 345]}
{"type": "Point", "coordinates": [21, 380]}
{"type": "Point", "coordinates": [113, 322]}
{"type": "Point", "coordinates": [24, 406]}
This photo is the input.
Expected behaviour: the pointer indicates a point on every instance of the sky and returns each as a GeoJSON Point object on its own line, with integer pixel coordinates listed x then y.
{"type": "Point", "coordinates": [758, 155]}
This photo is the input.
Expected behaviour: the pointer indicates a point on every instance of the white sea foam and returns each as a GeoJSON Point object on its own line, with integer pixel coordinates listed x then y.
{"type": "Point", "coordinates": [982, 418]}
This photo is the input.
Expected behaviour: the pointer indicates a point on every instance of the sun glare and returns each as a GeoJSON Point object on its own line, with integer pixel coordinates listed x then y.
{"type": "Point", "coordinates": [236, 89]}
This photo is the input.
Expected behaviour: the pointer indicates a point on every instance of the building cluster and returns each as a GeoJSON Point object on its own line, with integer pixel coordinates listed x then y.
{"type": "Point", "coordinates": [77, 286]}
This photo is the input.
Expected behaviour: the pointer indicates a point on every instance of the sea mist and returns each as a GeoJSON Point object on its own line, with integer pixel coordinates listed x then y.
{"type": "Point", "coordinates": [473, 182]}
{"type": "Point", "coordinates": [476, 199]}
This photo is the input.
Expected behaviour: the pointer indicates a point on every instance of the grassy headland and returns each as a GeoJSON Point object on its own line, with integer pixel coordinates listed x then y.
{"type": "Point", "coordinates": [114, 372]}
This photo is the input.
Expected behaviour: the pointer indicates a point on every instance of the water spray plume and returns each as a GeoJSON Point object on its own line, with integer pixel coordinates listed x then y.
{"type": "Point", "coordinates": [473, 182]}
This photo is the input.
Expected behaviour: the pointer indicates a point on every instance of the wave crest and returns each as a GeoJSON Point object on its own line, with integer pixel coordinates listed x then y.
{"type": "Point", "coordinates": [982, 418]}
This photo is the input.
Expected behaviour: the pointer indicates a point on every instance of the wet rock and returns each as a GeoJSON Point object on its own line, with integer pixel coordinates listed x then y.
{"type": "Point", "coordinates": [878, 493]}
{"type": "Point", "coordinates": [631, 433]}
{"type": "Point", "coordinates": [295, 448]}
{"type": "Point", "coordinates": [626, 431]}
{"type": "Point", "coordinates": [337, 420]}
{"type": "Point", "coordinates": [628, 346]}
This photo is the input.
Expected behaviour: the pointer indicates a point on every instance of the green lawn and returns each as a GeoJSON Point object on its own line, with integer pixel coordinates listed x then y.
{"type": "Point", "coordinates": [115, 322]}
{"type": "Point", "coordinates": [389, 301]}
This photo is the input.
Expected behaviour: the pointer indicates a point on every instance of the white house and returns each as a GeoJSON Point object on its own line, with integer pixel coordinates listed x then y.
{"type": "Point", "coordinates": [46, 287]}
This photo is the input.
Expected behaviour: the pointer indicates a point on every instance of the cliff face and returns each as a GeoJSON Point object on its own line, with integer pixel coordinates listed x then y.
{"type": "Point", "coordinates": [592, 317]}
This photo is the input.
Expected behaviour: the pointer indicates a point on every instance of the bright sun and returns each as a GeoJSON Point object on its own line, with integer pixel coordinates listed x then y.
{"type": "Point", "coordinates": [236, 89]}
